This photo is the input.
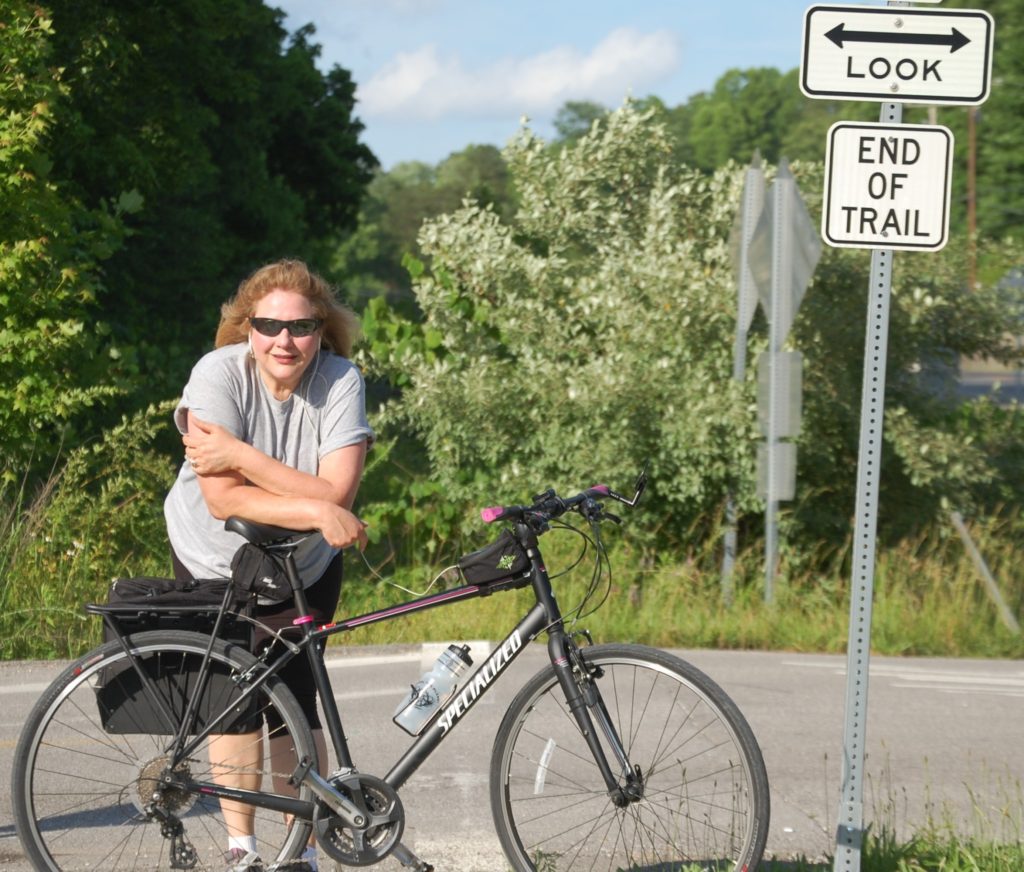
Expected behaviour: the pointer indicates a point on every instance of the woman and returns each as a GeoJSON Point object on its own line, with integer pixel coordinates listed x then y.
{"type": "Point", "coordinates": [274, 426]}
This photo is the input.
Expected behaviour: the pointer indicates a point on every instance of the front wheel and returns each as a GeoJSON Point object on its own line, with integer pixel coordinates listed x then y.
{"type": "Point", "coordinates": [89, 770]}
{"type": "Point", "coordinates": [703, 791]}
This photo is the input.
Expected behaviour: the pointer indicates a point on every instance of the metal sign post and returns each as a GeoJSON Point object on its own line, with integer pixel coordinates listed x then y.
{"type": "Point", "coordinates": [782, 205]}
{"type": "Point", "coordinates": [783, 254]}
{"type": "Point", "coordinates": [887, 188]}
{"type": "Point", "coordinates": [743, 231]}
{"type": "Point", "coordinates": [850, 834]}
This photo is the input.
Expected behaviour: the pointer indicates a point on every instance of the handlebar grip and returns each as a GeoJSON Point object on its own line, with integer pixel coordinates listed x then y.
{"type": "Point", "coordinates": [492, 514]}
{"type": "Point", "coordinates": [550, 506]}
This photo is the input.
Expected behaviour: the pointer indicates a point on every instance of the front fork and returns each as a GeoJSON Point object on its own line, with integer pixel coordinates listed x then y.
{"type": "Point", "coordinates": [577, 679]}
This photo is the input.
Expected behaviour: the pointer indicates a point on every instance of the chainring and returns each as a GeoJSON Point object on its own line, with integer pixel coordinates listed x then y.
{"type": "Point", "coordinates": [380, 805]}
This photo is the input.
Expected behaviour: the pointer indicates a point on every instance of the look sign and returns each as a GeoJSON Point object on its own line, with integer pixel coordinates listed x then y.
{"type": "Point", "coordinates": [941, 56]}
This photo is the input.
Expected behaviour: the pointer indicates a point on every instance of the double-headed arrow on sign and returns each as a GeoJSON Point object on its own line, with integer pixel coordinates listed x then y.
{"type": "Point", "coordinates": [955, 39]}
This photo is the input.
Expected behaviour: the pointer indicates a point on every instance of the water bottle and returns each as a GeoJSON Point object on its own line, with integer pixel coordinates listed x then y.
{"type": "Point", "coordinates": [433, 690]}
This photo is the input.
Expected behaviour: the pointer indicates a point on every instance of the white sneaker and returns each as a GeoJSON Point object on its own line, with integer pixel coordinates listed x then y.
{"type": "Point", "coordinates": [240, 861]}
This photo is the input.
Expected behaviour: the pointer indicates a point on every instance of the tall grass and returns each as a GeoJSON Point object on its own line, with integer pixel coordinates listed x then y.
{"type": "Point", "coordinates": [988, 839]}
{"type": "Point", "coordinates": [991, 839]}
{"type": "Point", "coordinates": [928, 600]}
{"type": "Point", "coordinates": [101, 518]}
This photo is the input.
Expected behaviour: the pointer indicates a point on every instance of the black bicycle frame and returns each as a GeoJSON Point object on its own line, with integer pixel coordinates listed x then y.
{"type": "Point", "coordinates": [544, 615]}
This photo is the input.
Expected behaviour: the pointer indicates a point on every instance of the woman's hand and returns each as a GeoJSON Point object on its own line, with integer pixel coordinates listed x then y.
{"type": "Point", "coordinates": [340, 528]}
{"type": "Point", "coordinates": [210, 448]}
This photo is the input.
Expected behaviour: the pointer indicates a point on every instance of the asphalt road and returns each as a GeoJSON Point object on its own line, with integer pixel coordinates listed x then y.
{"type": "Point", "coordinates": [943, 739]}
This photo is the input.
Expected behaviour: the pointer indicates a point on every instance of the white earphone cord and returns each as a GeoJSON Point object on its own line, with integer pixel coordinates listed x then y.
{"type": "Point", "coordinates": [429, 587]}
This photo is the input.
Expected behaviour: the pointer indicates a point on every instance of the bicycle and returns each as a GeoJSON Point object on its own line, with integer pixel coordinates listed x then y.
{"type": "Point", "coordinates": [612, 757]}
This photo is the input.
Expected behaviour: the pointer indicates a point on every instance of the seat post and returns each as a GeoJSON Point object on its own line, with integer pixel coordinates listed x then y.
{"type": "Point", "coordinates": [305, 619]}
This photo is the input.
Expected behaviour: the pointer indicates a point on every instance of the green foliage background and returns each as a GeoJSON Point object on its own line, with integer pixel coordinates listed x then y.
{"type": "Point", "coordinates": [51, 244]}
{"type": "Point", "coordinates": [543, 315]}
{"type": "Point", "coordinates": [586, 335]}
{"type": "Point", "coordinates": [238, 152]}
{"type": "Point", "coordinates": [592, 332]}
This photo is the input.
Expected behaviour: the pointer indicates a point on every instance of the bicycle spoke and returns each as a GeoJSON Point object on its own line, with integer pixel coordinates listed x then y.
{"type": "Point", "coordinates": [677, 739]}
{"type": "Point", "coordinates": [92, 795]}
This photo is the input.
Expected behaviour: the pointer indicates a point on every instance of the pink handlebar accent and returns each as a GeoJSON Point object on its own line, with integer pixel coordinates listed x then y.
{"type": "Point", "coordinates": [305, 619]}
{"type": "Point", "coordinates": [601, 488]}
{"type": "Point", "coordinates": [491, 513]}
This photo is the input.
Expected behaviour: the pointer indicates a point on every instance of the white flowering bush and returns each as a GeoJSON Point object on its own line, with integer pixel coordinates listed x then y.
{"type": "Point", "coordinates": [593, 332]}
{"type": "Point", "coordinates": [590, 334]}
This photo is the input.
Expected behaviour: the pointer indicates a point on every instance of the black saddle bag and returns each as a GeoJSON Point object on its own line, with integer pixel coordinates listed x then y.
{"type": "Point", "coordinates": [136, 605]}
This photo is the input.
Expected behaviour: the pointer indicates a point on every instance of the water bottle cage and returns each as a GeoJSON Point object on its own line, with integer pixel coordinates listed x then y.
{"type": "Point", "coordinates": [425, 698]}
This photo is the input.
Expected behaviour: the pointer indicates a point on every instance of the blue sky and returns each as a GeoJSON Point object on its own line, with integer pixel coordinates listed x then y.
{"type": "Point", "coordinates": [434, 76]}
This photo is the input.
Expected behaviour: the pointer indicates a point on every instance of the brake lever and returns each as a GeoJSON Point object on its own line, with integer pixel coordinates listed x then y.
{"type": "Point", "coordinates": [595, 512]}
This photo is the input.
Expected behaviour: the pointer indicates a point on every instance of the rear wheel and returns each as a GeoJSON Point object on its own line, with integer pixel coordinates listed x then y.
{"type": "Point", "coordinates": [91, 768]}
{"type": "Point", "coordinates": [703, 800]}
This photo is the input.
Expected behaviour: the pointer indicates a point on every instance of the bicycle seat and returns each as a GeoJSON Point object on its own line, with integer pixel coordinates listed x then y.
{"type": "Point", "coordinates": [260, 534]}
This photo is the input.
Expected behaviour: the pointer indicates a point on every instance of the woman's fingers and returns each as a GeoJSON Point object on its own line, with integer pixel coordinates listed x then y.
{"type": "Point", "coordinates": [341, 528]}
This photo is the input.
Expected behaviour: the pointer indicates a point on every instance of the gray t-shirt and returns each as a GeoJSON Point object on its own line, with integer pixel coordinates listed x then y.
{"type": "Point", "coordinates": [325, 413]}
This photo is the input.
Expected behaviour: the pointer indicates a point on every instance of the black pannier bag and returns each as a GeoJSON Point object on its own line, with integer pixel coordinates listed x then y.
{"type": "Point", "coordinates": [503, 559]}
{"type": "Point", "coordinates": [141, 604]}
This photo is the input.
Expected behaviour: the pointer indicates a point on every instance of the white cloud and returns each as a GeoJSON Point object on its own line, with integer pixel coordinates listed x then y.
{"type": "Point", "coordinates": [424, 84]}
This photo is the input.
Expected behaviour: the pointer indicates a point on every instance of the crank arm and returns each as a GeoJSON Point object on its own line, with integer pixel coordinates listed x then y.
{"type": "Point", "coordinates": [347, 810]}
{"type": "Point", "coordinates": [408, 859]}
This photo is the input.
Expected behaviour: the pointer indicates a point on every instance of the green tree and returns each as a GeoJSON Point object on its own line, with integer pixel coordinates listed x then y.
{"type": "Point", "coordinates": [52, 366]}
{"type": "Point", "coordinates": [241, 149]}
{"type": "Point", "coordinates": [747, 110]}
{"type": "Point", "coordinates": [1000, 126]}
{"type": "Point", "coordinates": [397, 204]}
{"type": "Point", "coordinates": [479, 173]}
{"type": "Point", "coordinates": [575, 118]}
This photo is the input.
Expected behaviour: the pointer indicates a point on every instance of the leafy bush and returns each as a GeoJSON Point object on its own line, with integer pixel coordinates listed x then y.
{"type": "Point", "coordinates": [939, 451]}
{"type": "Point", "coordinates": [51, 369]}
{"type": "Point", "coordinates": [589, 335]}
{"type": "Point", "coordinates": [592, 332]}
{"type": "Point", "coordinates": [406, 512]}
{"type": "Point", "coordinates": [99, 519]}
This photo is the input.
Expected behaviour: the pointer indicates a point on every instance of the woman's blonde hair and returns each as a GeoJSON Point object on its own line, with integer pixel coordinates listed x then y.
{"type": "Point", "coordinates": [340, 326]}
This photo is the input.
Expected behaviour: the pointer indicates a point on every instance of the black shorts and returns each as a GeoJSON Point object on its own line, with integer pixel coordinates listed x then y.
{"type": "Point", "coordinates": [322, 597]}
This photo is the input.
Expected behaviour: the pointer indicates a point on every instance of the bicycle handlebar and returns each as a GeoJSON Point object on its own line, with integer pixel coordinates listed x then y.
{"type": "Point", "coordinates": [549, 505]}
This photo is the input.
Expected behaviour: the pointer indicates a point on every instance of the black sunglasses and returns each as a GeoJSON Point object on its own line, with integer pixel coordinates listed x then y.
{"type": "Point", "coordinates": [273, 326]}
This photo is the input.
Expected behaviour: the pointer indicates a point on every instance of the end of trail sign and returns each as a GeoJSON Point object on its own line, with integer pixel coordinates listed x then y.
{"type": "Point", "coordinates": [887, 186]}
{"type": "Point", "coordinates": [905, 55]}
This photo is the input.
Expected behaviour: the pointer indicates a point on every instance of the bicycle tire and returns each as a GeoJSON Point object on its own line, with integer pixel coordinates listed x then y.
{"type": "Point", "coordinates": [705, 803]}
{"type": "Point", "coordinates": [79, 790]}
